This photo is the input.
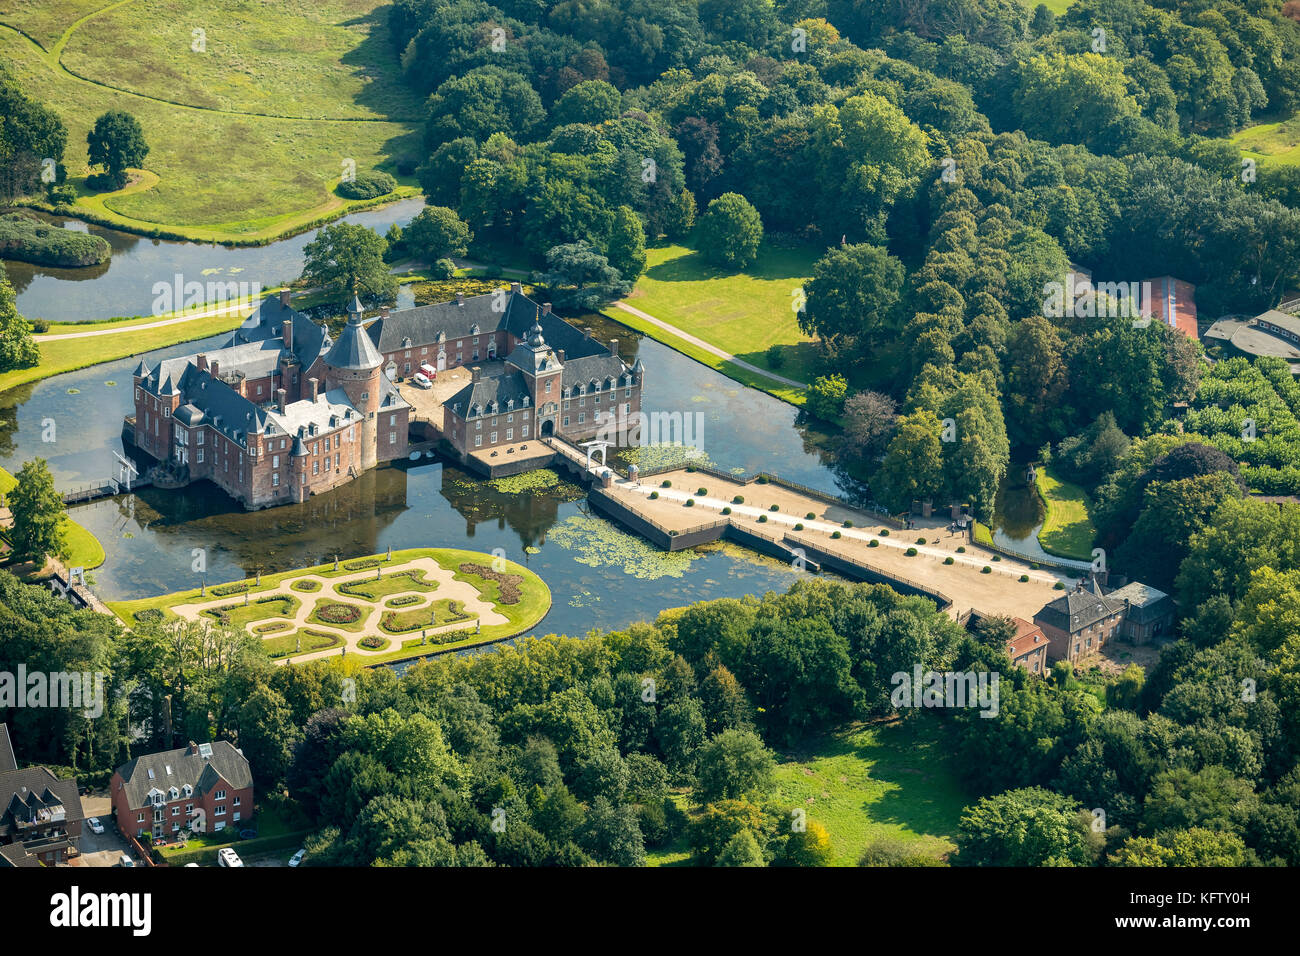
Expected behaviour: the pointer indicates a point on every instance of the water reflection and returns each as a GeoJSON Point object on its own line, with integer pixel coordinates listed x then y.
{"type": "Point", "coordinates": [123, 285]}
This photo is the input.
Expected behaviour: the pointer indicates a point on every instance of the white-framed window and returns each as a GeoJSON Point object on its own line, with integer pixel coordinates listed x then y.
{"type": "Point", "coordinates": [219, 811]}
{"type": "Point", "coordinates": [275, 461]}
{"type": "Point", "coordinates": [478, 441]}
{"type": "Point", "coordinates": [392, 438]}
{"type": "Point", "coordinates": [582, 417]}
{"type": "Point", "coordinates": [510, 434]}
{"type": "Point", "coordinates": [315, 467]}
{"type": "Point", "coordinates": [275, 480]}
{"type": "Point", "coordinates": [392, 420]}
{"type": "Point", "coordinates": [167, 411]}
{"type": "Point", "coordinates": [200, 455]}
{"type": "Point", "coordinates": [493, 438]}
{"type": "Point", "coordinates": [523, 432]}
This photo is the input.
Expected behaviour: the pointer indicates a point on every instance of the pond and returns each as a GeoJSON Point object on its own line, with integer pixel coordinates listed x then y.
{"type": "Point", "coordinates": [1018, 516]}
{"type": "Point", "coordinates": [599, 575]}
{"type": "Point", "coordinates": [123, 286]}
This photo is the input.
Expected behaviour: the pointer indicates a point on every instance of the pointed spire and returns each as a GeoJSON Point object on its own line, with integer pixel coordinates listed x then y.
{"type": "Point", "coordinates": [355, 307]}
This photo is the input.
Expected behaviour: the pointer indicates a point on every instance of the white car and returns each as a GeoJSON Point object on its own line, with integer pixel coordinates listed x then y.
{"type": "Point", "coordinates": [420, 380]}
{"type": "Point", "coordinates": [228, 857]}
{"type": "Point", "coordinates": [125, 860]}
{"type": "Point", "coordinates": [95, 825]}
{"type": "Point", "coordinates": [296, 859]}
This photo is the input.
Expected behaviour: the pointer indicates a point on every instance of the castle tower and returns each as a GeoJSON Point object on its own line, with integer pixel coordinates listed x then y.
{"type": "Point", "coordinates": [355, 365]}
{"type": "Point", "coordinates": [544, 372]}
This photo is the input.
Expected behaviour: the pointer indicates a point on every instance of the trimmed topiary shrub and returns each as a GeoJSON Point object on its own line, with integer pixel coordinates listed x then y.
{"type": "Point", "coordinates": [148, 615]}
{"type": "Point", "coordinates": [798, 526]}
{"type": "Point", "coordinates": [774, 508]}
{"type": "Point", "coordinates": [920, 541]}
{"type": "Point", "coordinates": [873, 543]}
{"type": "Point", "coordinates": [961, 549]}
{"type": "Point", "coordinates": [884, 532]}
{"type": "Point", "coordinates": [738, 500]}
{"type": "Point", "coordinates": [986, 570]}
{"type": "Point", "coordinates": [701, 491]}
{"type": "Point", "coordinates": [666, 484]}
{"type": "Point", "coordinates": [836, 534]}
{"type": "Point", "coordinates": [812, 515]}
{"type": "Point", "coordinates": [848, 524]}
{"type": "Point", "coordinates": [690, 503]}
{"type": "Point", "coordinates": [1058, 586]}
{"type": "Point", "coordinates": [947, 560]}
{"type": "Point", "coordinates": [762, 519]}
{"type": "Point", "coordinates": [997, 557]}
{"type": "Point", "coordinates": [1024, 579]}
{"type": "Point", "coordinates": [911, 552]}
{"type": "Point", "coordinates": [654, 495]}
{"type": "Point", "coordinates": [726, 511]}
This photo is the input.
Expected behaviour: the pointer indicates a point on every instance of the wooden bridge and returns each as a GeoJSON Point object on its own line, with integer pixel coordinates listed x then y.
{"type": "Point", "coordinates": [106, 489]}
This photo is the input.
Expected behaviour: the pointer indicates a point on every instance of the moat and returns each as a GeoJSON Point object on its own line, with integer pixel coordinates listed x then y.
{"type": "Point", "coordinates": [599, 574]}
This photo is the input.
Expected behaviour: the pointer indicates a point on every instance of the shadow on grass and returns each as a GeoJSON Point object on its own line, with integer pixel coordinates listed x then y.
{"type": "Point", "coordinates": [773, 263]}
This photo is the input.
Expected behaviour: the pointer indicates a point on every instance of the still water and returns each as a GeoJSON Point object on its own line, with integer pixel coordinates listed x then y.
{"type": "Point", "coordinates": [123, 285]}
{"type": "Point", "coordinates": [599, 575]}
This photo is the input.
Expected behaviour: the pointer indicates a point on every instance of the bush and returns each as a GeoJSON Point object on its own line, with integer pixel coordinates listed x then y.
{"type": "Point", "coordinates": [848, 524]}
{"type": "Point", "coordinates": [726, 511]}
{"type": "Point", "coordinates": [666, 484]}
{"type": "Point", "coordinates": [105, 182]}
{"type": "Point", "coordinates": [774, 508]}
{"type": "Point", "coordinates": [701, 491]}
{"type": "Point", "coordinates": [148, 615]}
{"type": "Point", "coordinates": [884, 532]}
{"type": "Point", "coordinates": [404, 600]}
{"type": "Point", "coordinates": [690, 503]}
{"type": "Point", "coordinates": [761, 480]}
{"type": "Point", "coordinates": [762, 519]}
{"type": "Point", "coordinates": [911, 552]}
{"type": "Point", "coordinates": [224, 590]}
{"type": "Point", "coordinates": [654, 495]}
{"type": "Point", "coordinates": [369, 185]}
{"type": "Point", "coordinates": [40, 326]}
{"type": "Point", "coordinates": [947, 560]}
{"type": "Point", "coordinates": [961, 549]}
{"type": "Point", "coordinates": [798, 526]}
{"type": "Point", "coordinates": [738, 500]}
{"type": "Point", "coordinates": [836, 534]}
{"type": "Point", "coordinates": [1058, 586]}
{"type": "Point", "coordinates": [920, 541]}
{"type": "Point", "coordinates": [29, 240]}
{"type": "Point", "coordinates": [811, 515]}
{"type": "Point", "coordinates": [1024, 579]}
{"type": "Point", "coordinates": [63, 195]}
{"type": "Point", "coordinates": [442, 269]}
{"type": "Point", "coordinates": [997, 557]}
{"type": "Point", "coordinates": [775, 357]}
{"type": "Point", "coordinates": [306, 584]}
{"type": "Point", "coordinates": [986, 570]}
{"type": "Point", "coordinates": [372, 641]}
{"type": "Point", "coordinates": [873, 543]}
{"type": "Point", "coordinates": [824, 398]}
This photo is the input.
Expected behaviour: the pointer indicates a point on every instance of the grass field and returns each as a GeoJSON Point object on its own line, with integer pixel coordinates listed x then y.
{"type": "Point", "coordinates": [1277, 142]}
{"type": "Point", "coordinates": [265, 87]}
{"type": "Point", "coordinates": [1067, 530]}
{"type": "Point", "coordinates": [866, 782]}
{"type": "Point", "coordinates": [743, 313]}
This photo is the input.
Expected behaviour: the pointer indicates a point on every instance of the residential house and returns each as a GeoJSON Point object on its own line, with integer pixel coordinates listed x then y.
{"type": "Point", "coordinates": [1028, 648]}
{"type": "Point", "coordinates": [199, 787]}
{"type": "Point", "coordinates": [40, 814]}
{"type": "Point", "coordinates": [1079, 623]}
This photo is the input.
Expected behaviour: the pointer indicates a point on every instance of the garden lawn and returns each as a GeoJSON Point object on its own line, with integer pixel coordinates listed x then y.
{"type": "Point", "coordinates": [373, 590]}
{"type": "Point", "coordinates": [743, 313]}
{"type": "Point", "coordinates": [871, 781]}
{"type": "Point", "coordinates": [286, 644]}
{"type": "Point", "coordinates": [358, 625]}
{"type": "Point", "coordinates": [1067, 530]}
{"type": "Point", "coordinates": [241, 615]}
{"type": "Point", "coordinates": [439, 613]}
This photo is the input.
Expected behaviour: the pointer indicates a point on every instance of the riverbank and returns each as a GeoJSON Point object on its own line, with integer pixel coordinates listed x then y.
{"type": "Point", "coordinates": [1067, 530]}
{"type": "Point", "coordinates": [82, 549]}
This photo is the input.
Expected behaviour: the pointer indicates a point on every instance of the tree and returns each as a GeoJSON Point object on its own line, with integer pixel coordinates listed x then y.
{"type": "Point", "coordinates": [29, 134]}
{"type": "Point", "coordinates": [810, 846]}
{"type": "Point", "coordinates": [38, 514]}
{"type": "Point", "coordinates": [1194, 847]}
{"type": "Point", "coordinates": [853, 294]}
{"type": "Point", "coordinates": [1028, 827]}
{"type": "Point", "coordinates": [869, 419]}
{"type": "Point", "coordinates": [825, 396]}
{"type": "Point", "coordinates": [1036, 379]}
{"type": "Point", "coordinates": [913, 465]}
{"type": "Point", "coordinates": [741, 850]}
{"type": "Point", "coordinates": [730, 231]}
{"type": "Point", "coordinates": [591, 102]}
{"type": "Point", "coordinates": [345, 258]}
{"type": "Point", "coordinates": [734, 764]}
{"type": "Point", "coordinates": [486, 100]}
{"type": "Point", "coordinates": [580, 278]}
{"type": "Point", "coordinates": [17, 347]}
{"type": "Point", "coordinates": [116, 142]}
{"type": "Point", "coordinates": [267, 734]}
{"type": "Point", "coordinates": [437, 233]}
{"type": "Point", "coordinates": [681, 216]}
{"type": "Point", "coordinates": [627, 244]}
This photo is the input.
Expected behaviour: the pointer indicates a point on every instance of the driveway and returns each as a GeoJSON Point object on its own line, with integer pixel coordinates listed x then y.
{"type": "Point", "coordinates": [99, 849]}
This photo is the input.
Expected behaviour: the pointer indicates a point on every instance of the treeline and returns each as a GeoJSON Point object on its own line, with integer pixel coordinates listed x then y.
{"type": "Point", "coordinates": [563, 751]}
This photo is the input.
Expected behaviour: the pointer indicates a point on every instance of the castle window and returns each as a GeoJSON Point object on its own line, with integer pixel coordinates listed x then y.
{"type": "Point", "coordinates": [392, 438]}
{"type": "Point", "coordinates": [315, 467]}
{"type": "Point", "coordinates": [523, 432]}
{"type": "Point", "coordinates": [167, 411]}
{"type": "Point", "coordinates": [200, 458]}
{"type": "Point", "coordinates": [510, 418]}
{"type": "Point", "coordinates": [275, 480]}
{"type": "Point", "coordinates": [364, 396]}
{"type": "Point", "coordinates": [492, 439]}
{"type": "Point", "coordinates": [566, 421]}
{"type": "Point", "coordinates": [478, 441]}
{"type": "Point", "coordinates": [582, 417]}
{"type": "Point", "coordinates": [510, 434]}
{"type": "Point", "coordinates": [275, 461]}
{"type": "Point", "coordinates": [548, 388]}
{"type": "Point", "coordinates": [392, 419]}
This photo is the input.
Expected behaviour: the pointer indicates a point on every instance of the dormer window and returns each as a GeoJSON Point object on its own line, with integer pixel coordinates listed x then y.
{"type": "Point", "coordinates": [188, 790]}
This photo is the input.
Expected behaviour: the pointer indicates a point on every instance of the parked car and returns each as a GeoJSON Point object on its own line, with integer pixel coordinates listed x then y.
{"type": "Point", "coordinates": [429, 372]}
{"type": "Point", "coordinates": [296, 859]}
{"type": "Point", "coordinates": [191, 864]}
{"type": "Point", "coordinates": [95, 825]}
{"type": "Point", "coordinates": [228, 857]}
{"type": "Point", "coordinates": [125, 860]}
{"type": "Point", "coordinates": [420, 380]}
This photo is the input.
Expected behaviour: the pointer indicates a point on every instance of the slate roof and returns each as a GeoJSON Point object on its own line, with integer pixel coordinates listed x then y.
{"type": "Point", "coordinates": [7, 761]}
{"type": "Point", "coordinates": [267, 322]}
{"type": "Point", "coordinates": [1145, 602]}
{"type": "Point", "coordinates": [491, 388]}
{"type": "Point", "coordinates": [28, 793]}
{"type": "Point", "coordinates": [202, 773]}
{"type": "Point", "coordinates": [15, 855]}
{"type": "Point", "coordinates": [220, 406]}
{"type": "Point", "coordinates": [354, 348]}
{"type": "Point", "coordinates": [1077, 610]}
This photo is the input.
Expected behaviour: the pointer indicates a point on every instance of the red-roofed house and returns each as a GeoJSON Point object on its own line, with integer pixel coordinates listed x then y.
{"type": "Point", "coordinates": [1028, 649]}
{"type": "Point", "coordinates": [1173, 302]}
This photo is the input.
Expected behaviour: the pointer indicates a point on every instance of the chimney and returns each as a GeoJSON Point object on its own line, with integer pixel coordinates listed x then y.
{"type": "Point", "coordinates": [202, 361]}
{"type": "Point", "coordinates": [287, 332]}
{"type": "Point", "coordinates": [475, 373]}
{"type": "Point", "coordinates": [613, 346]}
{"type": "Point", "coordinates": [284, 298]}
{"type": "Point", "coordinates": [313, 387]}
{"type": "Point", "coordinates": [383, 311]}
{"type": "Point", "coordinates": [546, 308]}
{"type": "Point", "coordinates": [460, 298]}
{"type": "Point", "coordinates": [516, 288]}
{"type": "Point", "coordinates": [279, 400]}
{"type": "Point", "coordinates": [192, 749]}
{"type": "Point", "coordinates": [213, 369]}
{"type": "Point", "coordinates": [559, 354]}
